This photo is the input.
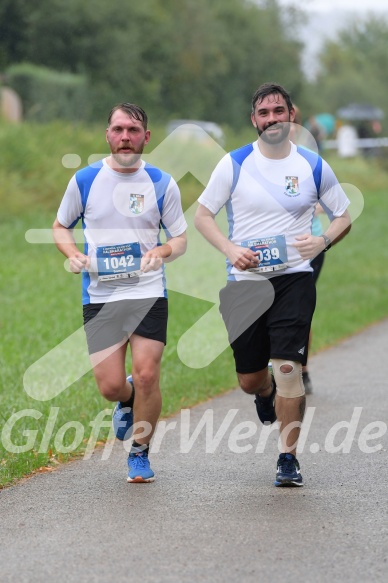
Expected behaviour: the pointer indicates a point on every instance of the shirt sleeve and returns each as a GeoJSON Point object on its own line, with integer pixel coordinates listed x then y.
{"type": "Point", "coordinates": [218, 189]}
{"type": "Point", "coordinates": [70, 209]}
{"type": "Point", "coordinates": [332, 196]}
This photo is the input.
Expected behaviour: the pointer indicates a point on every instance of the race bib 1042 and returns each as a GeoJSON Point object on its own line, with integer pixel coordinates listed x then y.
{"type": "Point", "coordinates": [271, 253]}
{"type": "Point", "coordinates": [118, 261]}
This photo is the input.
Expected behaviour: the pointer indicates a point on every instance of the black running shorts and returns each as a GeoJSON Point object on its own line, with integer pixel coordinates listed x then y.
{"type": "Point", "coordinates": [268, 318]}
{"type": "Point", "coordinates": [108, 324]}
{"type": "Point", "coordinates": [317, 264]}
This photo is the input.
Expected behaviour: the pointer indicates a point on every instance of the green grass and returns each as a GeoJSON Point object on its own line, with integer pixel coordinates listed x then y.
{"type": "Point", "coordinates": [353, 285]}
{"type": "Point", "coordinates": [40, 308]}
{"type": "Point", "coordinates": [40, 301]}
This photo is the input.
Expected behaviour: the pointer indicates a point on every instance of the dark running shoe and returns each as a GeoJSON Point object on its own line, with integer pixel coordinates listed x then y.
{"type": "Point", "coordinates": [265, 406]}
{"type": "Point", "coordinates": [288, 471]}
{"type": "Point", "coordinates": [308, 387]}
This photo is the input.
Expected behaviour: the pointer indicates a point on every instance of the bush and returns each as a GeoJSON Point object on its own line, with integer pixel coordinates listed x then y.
{"type": "Point", "coordinates": [49, 95]}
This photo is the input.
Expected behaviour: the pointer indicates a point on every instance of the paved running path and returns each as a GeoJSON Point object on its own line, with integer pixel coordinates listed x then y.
{"type": "Point", "coordinates": [216, 517]}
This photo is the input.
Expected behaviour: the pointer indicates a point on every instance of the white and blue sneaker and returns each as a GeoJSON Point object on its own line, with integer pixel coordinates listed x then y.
{"type": "Point", "coordinates": [122, 419]}
{"type": "Point", "coordinates": [139, 468]}
{"type": "Point", "coordinates": [288, 471]}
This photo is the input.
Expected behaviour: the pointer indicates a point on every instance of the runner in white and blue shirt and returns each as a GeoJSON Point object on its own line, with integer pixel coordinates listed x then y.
{"type": "Point", "coordinates": [119, 209]}
{"type": "Point", "coordinates": [267, 198]}
{"type": "Point", "coordinates": [125, 205]}
{"type": "Point", "coordinates": [270, 190]}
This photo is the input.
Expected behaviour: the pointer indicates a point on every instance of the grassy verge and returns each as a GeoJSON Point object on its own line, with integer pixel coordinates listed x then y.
{"type": "Point", "coordinates": [40, 305]}
{"type": "Point", "coordinates": [353, 286]}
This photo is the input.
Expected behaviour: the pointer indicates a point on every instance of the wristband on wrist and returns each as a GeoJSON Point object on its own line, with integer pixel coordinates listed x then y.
{"type": "Point", "coordinates": [327, 242]}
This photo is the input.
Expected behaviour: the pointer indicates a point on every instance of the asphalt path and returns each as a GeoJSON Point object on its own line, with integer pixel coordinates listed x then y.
{"type": "Point", "coordinates": [213, 513]}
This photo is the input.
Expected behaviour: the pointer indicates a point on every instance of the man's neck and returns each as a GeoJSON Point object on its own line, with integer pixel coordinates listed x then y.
{"type": "Point", "coordinates": [274, 151]}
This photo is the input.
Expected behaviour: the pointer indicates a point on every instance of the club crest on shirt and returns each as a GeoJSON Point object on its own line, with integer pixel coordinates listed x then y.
{"type": "Point", "coordinates": [136, 203]}
{"type": "Point", "coordinates": [292, 186]}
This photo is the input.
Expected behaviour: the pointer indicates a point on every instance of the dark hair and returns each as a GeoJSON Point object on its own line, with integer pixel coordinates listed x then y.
{"type": "Point", "coordinates": [298, 115]}
{"type": "Point", "coordinates": [132, 110]}
{"type": "Point", "coordinates": [270, 89]}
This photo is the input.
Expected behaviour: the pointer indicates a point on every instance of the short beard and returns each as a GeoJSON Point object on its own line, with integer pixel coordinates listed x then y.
{"type": "Point", "coordinates": [127, 160]}
{"type": "Point", "coordinates": [283, 135]}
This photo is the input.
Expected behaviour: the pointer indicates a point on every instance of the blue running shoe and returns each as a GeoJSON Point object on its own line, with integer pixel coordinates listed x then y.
{"type": "Point", "coordinates": [139, 468]}
{"type": "Point", "coordinates": [122, 419]}
{"type": "Point", "coordinates": [265, 406]}
{"type": "Point", "coordinates": [288, 471]}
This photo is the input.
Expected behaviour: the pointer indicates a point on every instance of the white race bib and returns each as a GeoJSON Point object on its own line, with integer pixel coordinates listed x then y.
{"type": "Point", "coordinates": [118, 261]}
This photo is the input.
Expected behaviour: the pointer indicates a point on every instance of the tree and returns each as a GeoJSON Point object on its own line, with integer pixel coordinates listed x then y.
{"type": "Point", "coordinates": [177, 58]}
{"type": "Point", "coordinates": [352, 66]}
{"type": "Point", "coordinates": [13, 28]}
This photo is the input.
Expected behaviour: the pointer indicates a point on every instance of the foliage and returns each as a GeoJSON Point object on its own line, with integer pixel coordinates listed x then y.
{"type": "Point", "coordinates": [351, 66]}
{"type": "Point", "coordinates": [32, 175]}
{"type": "Point", "coordinates": [178, 58]}
{"type": "Point", "coordinates": [48, 94]}
{"type": "Point", "coordinates": [12, 31]}
{"type": "Point", "coordinates": [192, 58]}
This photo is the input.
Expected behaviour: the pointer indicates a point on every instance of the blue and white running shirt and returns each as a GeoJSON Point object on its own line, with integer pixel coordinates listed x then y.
{"type": "Point", "coordinates": [120, 209]}
{"type": "Point", "coordinates": [266, 198]}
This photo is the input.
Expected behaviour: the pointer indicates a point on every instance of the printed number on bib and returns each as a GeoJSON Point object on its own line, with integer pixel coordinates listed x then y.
{"type": "Point", "coordinates": [271, 253]}
{"type": "Point", "coordinates": [118, 261]}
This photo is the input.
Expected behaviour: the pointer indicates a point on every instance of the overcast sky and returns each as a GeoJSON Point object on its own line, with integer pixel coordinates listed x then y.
{"type": "Point", "coordinates": [326, 18]}
{"type": "Point", "coordinates": [330, 5]}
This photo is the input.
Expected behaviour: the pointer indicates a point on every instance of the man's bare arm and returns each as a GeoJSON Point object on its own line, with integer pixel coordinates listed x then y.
{"type": "Point", "coordinates": [310, 246]}
{"type": "Point", "coordinates": [240, 257]}
{"type": "Point", "coordinates": [65, 242]}
{"type": "Point", "coordinates": [174, 248]}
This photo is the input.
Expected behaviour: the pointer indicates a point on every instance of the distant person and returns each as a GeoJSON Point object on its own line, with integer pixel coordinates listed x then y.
{"type": "Point", "coordinates": [347, 141]}
{"type": "Point", "coordinates": [316, 230]}
{"type": "Point", "coordinates": [123, 202]}
{"type": "Point", "coordinates": [317, 264]}
{"type": "Point", "coordinates": [316, 131]}
{"type": "Point", "coordinates": [270, 190]}
{"type": "Point", "coordinates": [365, 132]}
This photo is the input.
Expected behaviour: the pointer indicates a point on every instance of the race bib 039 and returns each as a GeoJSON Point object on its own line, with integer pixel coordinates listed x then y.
{"type": "Point", "coordinates": [272, 253]}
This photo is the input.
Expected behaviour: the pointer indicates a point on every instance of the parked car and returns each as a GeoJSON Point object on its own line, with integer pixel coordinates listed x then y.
{"type": "Point", "coordinates": [192, 129]}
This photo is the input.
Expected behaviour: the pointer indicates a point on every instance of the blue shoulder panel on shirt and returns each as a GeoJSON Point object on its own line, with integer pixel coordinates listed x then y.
{"type": "Point", "coordinates": [161, 180]}
{"type": "Point", "coordinates": [315, 162]}
{"type": "Point", "coordinates": [238, 157]}
{"type": "Point", "coordinates": [85, 178]}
